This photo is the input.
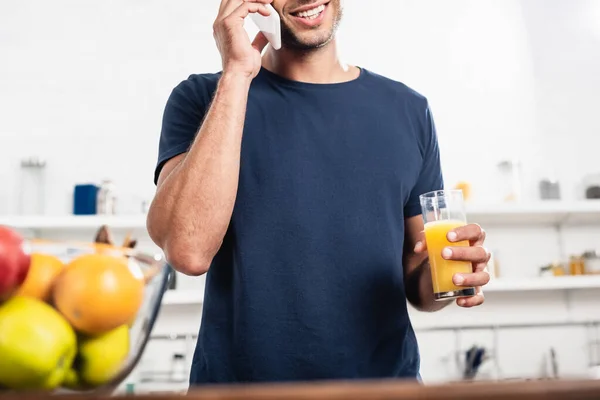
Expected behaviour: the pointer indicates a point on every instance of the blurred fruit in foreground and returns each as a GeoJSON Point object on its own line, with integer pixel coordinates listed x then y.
{"type": "Point", "coordinates": [43, 271]}
{"type": "Point", "coordinates": [14, 262]}
{"type": "Point", "coordinates": [99, 359]}
{"type": "Point", "coordinates": [37, 345]}
{"type": "Point", "coordinates": [97, 293]}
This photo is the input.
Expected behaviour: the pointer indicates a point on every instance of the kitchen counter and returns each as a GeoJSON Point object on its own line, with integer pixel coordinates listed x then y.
{"type": "Point", "coordinates": [380, 390]}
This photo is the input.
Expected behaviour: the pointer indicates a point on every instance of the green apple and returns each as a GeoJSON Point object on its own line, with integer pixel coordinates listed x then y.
{"type": "Point", "coordinates": [37, 345]}
{"type": "Point", "coordinates": [99, 358]}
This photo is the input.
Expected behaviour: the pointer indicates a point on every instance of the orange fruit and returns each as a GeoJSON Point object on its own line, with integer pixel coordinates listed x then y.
{"type": "Point", "coordinates": [43, 270]}
{"type": "Point", "coordinates": [97, 293]}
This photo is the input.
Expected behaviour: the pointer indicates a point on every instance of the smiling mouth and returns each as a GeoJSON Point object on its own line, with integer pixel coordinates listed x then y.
{"type": "Point", "coordinates": [311, 14]}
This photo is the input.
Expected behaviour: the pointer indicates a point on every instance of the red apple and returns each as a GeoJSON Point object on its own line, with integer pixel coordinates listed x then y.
{"type": "Point", "coordinates": [14, 262]}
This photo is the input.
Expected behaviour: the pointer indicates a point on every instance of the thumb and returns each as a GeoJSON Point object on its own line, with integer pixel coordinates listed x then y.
{"type": "Point", "coordinates": [421, 245]}
{"type": "Point", "coordinates": [260, 42]}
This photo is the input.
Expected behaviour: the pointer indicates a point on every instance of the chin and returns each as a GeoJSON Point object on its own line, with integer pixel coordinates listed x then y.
{"type": "Point", "coordinates": [312, 27]}
{"type": "Point", "coordinates": [307, 42]}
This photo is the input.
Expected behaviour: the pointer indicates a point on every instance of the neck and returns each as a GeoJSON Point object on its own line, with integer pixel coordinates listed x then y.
{"type": "Point", "coordinates": [321, 65]}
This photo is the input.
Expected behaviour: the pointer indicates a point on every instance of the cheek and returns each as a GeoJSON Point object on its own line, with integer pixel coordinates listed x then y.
{"type": "Point", "coordinates": [335, 8]}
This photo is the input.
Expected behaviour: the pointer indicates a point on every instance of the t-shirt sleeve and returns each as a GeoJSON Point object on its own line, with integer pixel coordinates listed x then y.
{"type": "Point", "coordinates": [430, 176]}
{"type": "Point", "coordinates": [182, 117]}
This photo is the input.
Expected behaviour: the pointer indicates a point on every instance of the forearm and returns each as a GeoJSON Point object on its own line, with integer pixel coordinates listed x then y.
{"type": "Point", "coordinates": [419, 287]}
{"type": "Point", "coordinates": [193, 206]}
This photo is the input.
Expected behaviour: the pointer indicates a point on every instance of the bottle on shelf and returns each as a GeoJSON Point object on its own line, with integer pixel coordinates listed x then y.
{"type": "Point", "coordinates": [107, 198]}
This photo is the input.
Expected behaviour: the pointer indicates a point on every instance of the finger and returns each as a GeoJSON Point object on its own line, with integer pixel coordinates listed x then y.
{"type": "Point", "coordinates": [468, 302]}
{"type": "Point", "coordinates": [225, 3]}
{"type": "Point", "coordinates": [250, 7]}
{"type": "Point", "coordinates": [474, 254]}
{"type": "Point", "coordinates": [421, 244]}
{"type": "Point", "coordinates": [470, 232]}
{"type": "Point", "coordinates": [234, 7]}
{"type": "Point", "coordinates": [480, 267]}
{"type": "Point", "coordinates": [260, 42]}
{"type": "Point", "coordinates": [476, 279]}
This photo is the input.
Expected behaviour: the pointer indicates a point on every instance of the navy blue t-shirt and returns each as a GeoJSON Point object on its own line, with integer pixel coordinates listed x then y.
{"type": "Point", "coordinates": [308, 283]}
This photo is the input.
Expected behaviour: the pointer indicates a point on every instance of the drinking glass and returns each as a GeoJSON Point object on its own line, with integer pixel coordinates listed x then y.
{"type": "Point", "coordinates": [444, 210]}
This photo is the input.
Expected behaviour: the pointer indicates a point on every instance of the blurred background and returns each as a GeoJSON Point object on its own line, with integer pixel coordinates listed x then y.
{"type": "Point", "coordinates": [513, 85]}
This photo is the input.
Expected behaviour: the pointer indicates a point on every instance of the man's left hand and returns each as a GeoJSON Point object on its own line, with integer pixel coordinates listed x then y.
{"type": "Point", "coordinates": [477, 254]}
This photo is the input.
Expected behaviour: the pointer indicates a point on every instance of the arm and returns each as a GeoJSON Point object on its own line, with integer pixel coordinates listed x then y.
{"type": "Point", "coordinates": [417, 272]}
{"type": "Point", "coordinates": [196, 191]}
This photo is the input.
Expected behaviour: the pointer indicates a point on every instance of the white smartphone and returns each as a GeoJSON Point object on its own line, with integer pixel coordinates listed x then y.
{"type": "Point", "coordinates": [270, 26]}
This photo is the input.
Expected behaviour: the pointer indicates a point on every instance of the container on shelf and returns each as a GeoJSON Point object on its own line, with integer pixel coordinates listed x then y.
{"type": "Point", "coordinates": [549, 189]}
{"type": "Point", "coordinates": [592, 262]}
{"type": "Point", "coordinates": [466, 189]}
{"type": "Point", "coordinates": [32, 189]}
{"type": "Point", "coordinates": [554, 269]}
{"type": "Point", "coordinates": [107, 198]}
{"type": "Point", "coordinates": [591, 186]}
{"type": "Point", "coordinates": [576, 265]}
{"type": "Point", "coordinates": [558, 270]}
{"type": "Point", "coordinates": [510, 181]}
{"type": "Point", "coordinates": [85, 199]}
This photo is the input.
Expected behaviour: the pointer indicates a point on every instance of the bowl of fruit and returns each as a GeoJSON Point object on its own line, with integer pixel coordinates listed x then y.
{"type": "Point", "coordinates": [74, 317]}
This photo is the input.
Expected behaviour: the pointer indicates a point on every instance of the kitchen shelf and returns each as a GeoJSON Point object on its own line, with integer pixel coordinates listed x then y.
{"type": "Point", "coordinates": [74, 222]}
{"type": "Point", "coordinates": [543, 283]}
{"type": "Point", "coordinates": [550, 212]}
{"type": "Point", "coordinates": [183, 297]}
{"type": "Point", "coordinates": [191, 297]}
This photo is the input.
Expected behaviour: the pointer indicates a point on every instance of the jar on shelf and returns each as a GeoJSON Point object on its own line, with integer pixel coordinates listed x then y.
{"type": "Point", "coordinates": [592, 262]}
{"type": "Point", "coordinates": [558, 269]}
{"type": "Point", "coordinates": [554, 269]}
{"type": "Point", "coordinates": [576, 265]}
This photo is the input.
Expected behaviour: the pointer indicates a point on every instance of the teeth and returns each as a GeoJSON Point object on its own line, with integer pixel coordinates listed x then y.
{"type": "Point", "coordinates": [312, 14]}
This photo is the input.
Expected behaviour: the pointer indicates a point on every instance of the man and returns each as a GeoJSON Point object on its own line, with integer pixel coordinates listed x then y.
{"type": "Point", "coordinates": [292, 180]}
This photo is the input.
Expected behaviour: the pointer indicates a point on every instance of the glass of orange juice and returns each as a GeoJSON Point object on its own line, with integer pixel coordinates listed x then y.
{"type": "Point", "coordinates": [444, 210]}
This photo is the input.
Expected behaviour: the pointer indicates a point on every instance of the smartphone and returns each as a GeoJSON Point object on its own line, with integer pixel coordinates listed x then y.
{"type": "Point", "coordinates": [270, 26]}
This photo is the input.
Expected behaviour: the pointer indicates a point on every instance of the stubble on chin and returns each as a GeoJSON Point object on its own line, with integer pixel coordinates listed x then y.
{"type": "Point", "coordinates": [320, 39]}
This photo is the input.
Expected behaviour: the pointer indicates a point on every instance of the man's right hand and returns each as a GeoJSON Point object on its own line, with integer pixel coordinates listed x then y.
{"type": "Point", "coordinates": [239, 55]}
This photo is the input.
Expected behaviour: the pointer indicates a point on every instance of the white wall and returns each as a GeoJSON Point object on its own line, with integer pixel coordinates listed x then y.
{"type": "Point", "coordinates": [564, 38]}
{"type": "Point", "coordinates": [84, 84]}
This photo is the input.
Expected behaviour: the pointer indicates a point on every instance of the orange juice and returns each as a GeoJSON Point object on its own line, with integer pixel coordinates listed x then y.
{"type": "Point", "coordinates": [442, 270]}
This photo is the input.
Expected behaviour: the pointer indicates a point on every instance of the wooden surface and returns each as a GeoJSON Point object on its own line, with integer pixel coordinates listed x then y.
{"type": "Point", "coordinates": [387, 390]}
{"type": "Point", "coordinates": [379, 390]}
